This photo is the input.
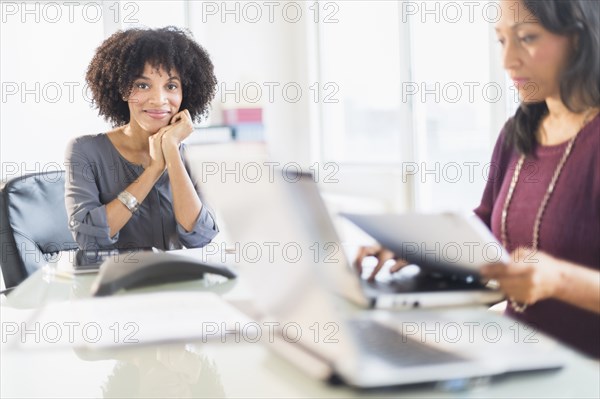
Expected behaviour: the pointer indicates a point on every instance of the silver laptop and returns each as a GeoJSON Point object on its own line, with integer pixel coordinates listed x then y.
{"type": "Point", "coordinates": [293, 290]}
{"type": "Point", "coordinates": [402, 290]}
{"type": "Point", "coordinates": [235, 170]}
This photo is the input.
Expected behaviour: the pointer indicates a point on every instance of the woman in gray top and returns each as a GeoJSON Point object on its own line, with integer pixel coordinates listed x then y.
{"type": "Point", "coordinates": [131, 187]}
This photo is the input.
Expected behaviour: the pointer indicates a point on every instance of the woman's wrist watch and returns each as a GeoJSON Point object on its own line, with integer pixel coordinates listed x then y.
{"type": "Point", "coordinates": [129, 201]}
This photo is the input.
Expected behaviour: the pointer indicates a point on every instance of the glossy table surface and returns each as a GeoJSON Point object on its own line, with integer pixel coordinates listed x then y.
{"type": "Point", "coordinates": [200, 368]}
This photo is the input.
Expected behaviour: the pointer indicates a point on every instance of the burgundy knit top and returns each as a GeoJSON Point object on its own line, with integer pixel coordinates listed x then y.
{"type": "Point", "coordinates": [570, 226]}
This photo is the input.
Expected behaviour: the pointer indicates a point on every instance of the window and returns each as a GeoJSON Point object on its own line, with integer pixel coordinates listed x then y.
{"type": "Point", "coordinates": [420, 91]}
{"type": "Point", "coordinates": [454, 97]}
{"type": "Point", "coordinates": [360, 60]}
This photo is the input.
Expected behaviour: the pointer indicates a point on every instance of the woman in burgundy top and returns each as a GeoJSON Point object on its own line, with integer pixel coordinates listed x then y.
{"type": "Point", "coordinates": [548, 215]}
{"type": "Point", "coordinates": [542, 199]}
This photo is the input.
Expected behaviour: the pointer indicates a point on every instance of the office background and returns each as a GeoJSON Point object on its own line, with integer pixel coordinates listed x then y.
{"type": "Point", "coordinates": [400, 100]}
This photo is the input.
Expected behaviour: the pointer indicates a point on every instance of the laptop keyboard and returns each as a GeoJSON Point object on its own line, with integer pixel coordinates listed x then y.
{"type": "Point", "coordinates": [387, 344]}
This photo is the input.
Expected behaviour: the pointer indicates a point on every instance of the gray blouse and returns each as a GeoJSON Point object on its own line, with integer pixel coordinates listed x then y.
{"type": "Point", "coordinates": [96, 174]}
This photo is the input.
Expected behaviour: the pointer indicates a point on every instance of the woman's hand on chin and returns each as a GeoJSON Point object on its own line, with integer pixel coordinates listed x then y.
{"type": "Point", "coordinates": [179, 129]}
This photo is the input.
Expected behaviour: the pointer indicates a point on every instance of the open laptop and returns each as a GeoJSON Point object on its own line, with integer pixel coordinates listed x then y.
{"type": "Point", "coordinates": [237, 170]}
{"type": "Point", "coordinates": [403, 290]}
{"type": "Point", "coordinates": [366, 349]}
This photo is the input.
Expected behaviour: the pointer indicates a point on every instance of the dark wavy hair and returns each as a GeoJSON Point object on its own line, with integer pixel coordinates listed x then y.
{"type": "Point", "coordinates": [121, 58]}
{"type": "Point", "coordinates": [580, 81]}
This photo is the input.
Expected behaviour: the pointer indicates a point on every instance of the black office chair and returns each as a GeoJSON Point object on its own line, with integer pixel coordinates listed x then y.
{"type": "Point", "coordinates": [33, 224]}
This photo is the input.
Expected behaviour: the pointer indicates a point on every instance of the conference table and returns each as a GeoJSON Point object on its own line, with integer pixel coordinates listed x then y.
{"type": "Point", "coordinates": [197, 366]}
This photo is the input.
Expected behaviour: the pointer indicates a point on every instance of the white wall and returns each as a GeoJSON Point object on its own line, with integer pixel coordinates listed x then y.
{"type": "Point", "coordinates": [42, 76]}
{"type": "Point", "coordinates": [250, 58]}
{"type": "Point", "coordinates": [41, 52]}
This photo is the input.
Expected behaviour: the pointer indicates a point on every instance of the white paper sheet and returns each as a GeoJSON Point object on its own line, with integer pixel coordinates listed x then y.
{"type": "Point", "coordinates": [126, 320]}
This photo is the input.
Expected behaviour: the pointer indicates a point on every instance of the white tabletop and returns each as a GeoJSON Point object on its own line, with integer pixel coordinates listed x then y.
{"type": "Point", "coordinates": [210, 368]}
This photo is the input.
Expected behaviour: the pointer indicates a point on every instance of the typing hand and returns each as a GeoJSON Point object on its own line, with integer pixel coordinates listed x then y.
{"type": "Point", "coordinates": [382, 254]}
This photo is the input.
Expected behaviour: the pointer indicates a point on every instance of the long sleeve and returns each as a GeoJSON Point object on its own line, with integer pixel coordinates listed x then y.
{"type": "Point", "coordinates": [206, 227]}
{"type": "Point", "coordinates": [86, 213]}
{"type": "Point", "coordinates": [203, 233]}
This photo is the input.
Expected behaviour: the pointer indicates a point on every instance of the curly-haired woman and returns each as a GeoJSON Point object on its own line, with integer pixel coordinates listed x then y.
{"type": "Point", "coordinates": [131, 187]}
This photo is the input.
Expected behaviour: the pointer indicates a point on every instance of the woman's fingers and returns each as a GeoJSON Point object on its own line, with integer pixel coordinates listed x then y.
{"type": "Point", "coordinates": [184, 114]}
{"type": "Point", "coordinates": [522, 262]}
{"type": "Point", "coordinates": [181, 126]}
{"type": "Point", "coordinates": [364, 252]}
{"type": "Point", "coordinates": [382, 256]}
{"type": "Point", "coordinates": [176, 118]}
{"type": "Point", "coordinates": [517, 289]}
{"type": "Point", "coordinates": [400, 263]}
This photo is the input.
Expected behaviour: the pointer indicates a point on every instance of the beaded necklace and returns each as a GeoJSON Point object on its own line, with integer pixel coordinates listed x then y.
{"type": "Point", "coordinates": [516, 306]}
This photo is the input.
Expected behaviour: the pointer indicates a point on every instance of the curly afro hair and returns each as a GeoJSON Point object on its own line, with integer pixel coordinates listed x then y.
{"type": "Point", "coordinates": [121, 58]}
